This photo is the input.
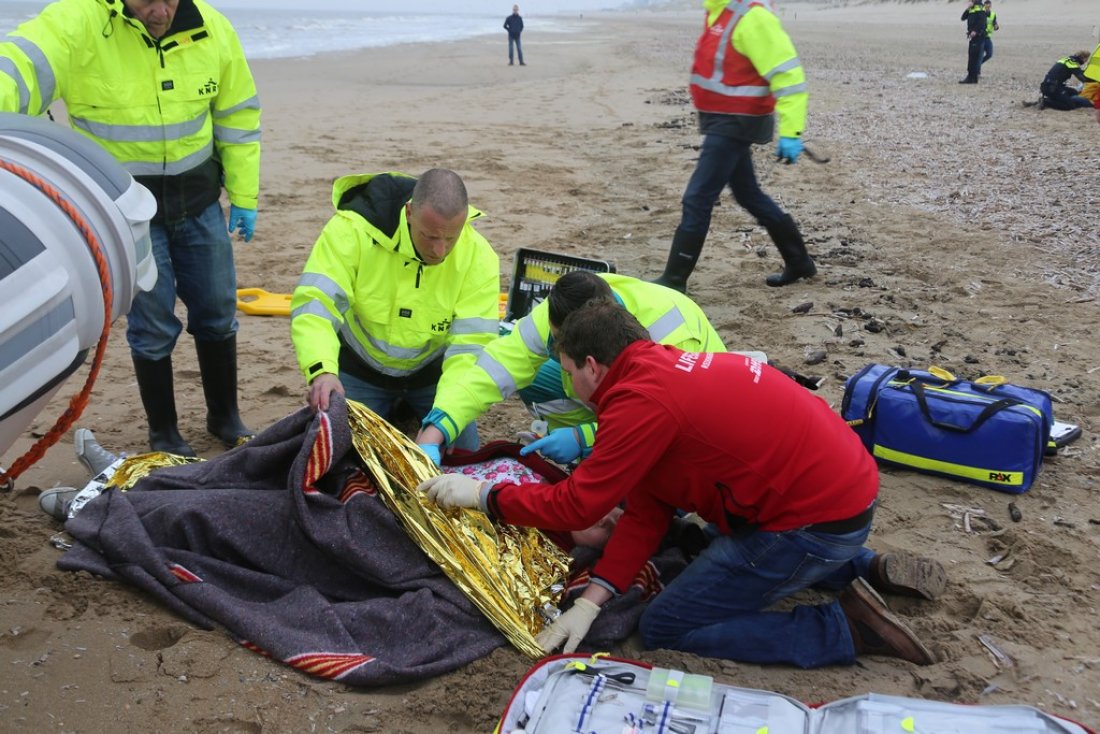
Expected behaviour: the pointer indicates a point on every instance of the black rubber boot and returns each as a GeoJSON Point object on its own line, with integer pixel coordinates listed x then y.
{"type": "Point", "coordinates": [797, 263]}
{"type": "Point", "coordinates": [218, 365]}
{"type": "Point", "coordinates": [681, 260]}
{"type": "Point", "coordinates": [155, 385]}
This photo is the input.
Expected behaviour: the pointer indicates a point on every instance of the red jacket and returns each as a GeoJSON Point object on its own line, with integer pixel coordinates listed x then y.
{"type": "Point", "coordinates": [737, 87]}
{"type": "Point", "coordinates": [706, 433]}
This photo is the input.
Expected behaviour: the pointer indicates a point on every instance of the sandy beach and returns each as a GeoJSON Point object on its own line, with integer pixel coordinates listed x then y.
{"type": "Point", "coordinates": [961, 222]}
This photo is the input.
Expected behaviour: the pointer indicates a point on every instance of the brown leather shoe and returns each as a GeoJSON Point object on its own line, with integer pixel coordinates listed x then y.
{"type": "Point", "coordinates": [875, 631]}
{"type": "Point", "coordinates": [907, 575]}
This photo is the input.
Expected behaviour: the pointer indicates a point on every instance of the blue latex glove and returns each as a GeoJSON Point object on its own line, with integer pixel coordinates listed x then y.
{"type": "Point", "coordinates": [432, 450]}
{"type": "Point", "coordinates": [561, 445]}
{"type": "Point", "coordinates": [242, 220]}
{"type": "Point", "coordinates": [789, 149]}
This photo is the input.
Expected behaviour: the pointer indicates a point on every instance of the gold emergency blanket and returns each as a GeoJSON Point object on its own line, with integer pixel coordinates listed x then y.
{"type": "Point", "coordinates": [509, 572]}
{"type": "Point", "coordinates": [139, 466]}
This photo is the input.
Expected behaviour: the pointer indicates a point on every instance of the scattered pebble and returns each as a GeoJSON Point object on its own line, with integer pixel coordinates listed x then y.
{"type": "Point", "coordinates": [816, 356]}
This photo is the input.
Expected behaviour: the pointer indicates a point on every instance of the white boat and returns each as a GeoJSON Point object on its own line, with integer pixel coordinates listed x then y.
{"type": "Point", "coordinates": [51, 297]}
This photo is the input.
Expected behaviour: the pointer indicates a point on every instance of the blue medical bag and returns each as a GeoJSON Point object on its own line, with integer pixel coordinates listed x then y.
{"type": "Point", "coordinates": [987, 432]}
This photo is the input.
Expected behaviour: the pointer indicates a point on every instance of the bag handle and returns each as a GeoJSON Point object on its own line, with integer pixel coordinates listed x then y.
{"type": "Point", "coordinates": [990, 383]}
{"type": "Point", "coordinates": [987, 412]}
{"type": "Point", "coordinates": [986, 383]}
{"type": "Point", "coordinates": [941, 373]}
{"type": "Point", "coordinates": [872, 400]}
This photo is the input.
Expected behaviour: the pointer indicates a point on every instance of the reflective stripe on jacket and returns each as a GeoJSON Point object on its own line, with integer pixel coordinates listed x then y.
{"type": "Point", "coordinates": [745, 64]}
{"type": "Point", "coordinates": [1060, 73]}
{"type": "Point", "coordinates": [364, 288]}
{"type": "Point", "coordinates": [161, 108]}
{"type": "Point", "coordinates": [511, 362]}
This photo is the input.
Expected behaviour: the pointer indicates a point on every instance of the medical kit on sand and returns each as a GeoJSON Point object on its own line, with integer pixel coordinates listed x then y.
{"type": "Point", "coordinates": [535, 274]}
{"type": "Point", "coordinates": [986, 431]}
{"type": "Point", "coordinates": [604, 695]}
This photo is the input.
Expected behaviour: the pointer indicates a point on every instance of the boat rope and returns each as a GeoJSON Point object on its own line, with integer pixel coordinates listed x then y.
{"type": "Point", "coordinates": [79, 401]}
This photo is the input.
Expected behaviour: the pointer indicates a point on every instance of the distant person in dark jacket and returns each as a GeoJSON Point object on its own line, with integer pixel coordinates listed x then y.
{"type": "Point", "coordinates": [514, 25]}
{"type": "Point", "coordinates": [977, 20]}
{"type": "Point", "coordinates": [1056, 93]}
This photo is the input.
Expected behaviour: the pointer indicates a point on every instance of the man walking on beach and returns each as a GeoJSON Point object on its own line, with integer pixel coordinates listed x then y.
{"type": "Point", "coordinates": [991, 25]}
{"type": "Point", "coordinates": [163, 86]}
{"type": "Point", "coordinates": [398, 287]}
{"type": "Point", "coordinates": [514, 25]}
{"type": "Point", "coordinates": [977, 21]}
{"type": "Point", "coordinates": [788, 488]}
{"type": "Point", "coordinates": [745, 69]}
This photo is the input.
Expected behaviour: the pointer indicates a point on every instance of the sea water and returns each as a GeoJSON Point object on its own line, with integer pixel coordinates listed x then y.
{"type": "Point", "coordinates": [299, 28]}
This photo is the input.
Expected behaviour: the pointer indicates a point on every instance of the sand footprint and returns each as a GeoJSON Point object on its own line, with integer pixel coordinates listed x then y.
{"type": "Point", "coordinates": [158, 638]}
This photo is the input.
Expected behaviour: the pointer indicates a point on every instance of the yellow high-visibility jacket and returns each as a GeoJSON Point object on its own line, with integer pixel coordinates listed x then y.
{"type": "Point", "coordinates": [758, 36]}
{"type": "Point", "coordinates": [367, 301]}
{"type": "Point", "coordinates": [1092, 68]}
{"type": "Point", "coordinates": [511, 362]}
{"type": "Point", "coordinates": [170, 111]}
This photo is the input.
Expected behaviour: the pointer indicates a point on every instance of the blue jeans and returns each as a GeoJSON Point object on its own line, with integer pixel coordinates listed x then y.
{"type": "Point", "coordinates": [724, 162]}
{"type": "Point", "coordinates": [716, 606]}
{"type": "Point", "coordinates": [383, 400]}
{"type": "Point", "coordinates": [514, 41]}
{"type": "Point", "coordinates": [987, 49]}
{"type": "Point", "coordinates": [194, 261]}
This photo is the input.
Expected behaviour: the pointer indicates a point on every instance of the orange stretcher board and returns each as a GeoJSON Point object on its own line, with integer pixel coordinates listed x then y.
{"type": "Point", "coordinates": [258, 302]}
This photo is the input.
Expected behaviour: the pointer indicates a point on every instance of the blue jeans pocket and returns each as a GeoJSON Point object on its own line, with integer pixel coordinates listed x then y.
{"type": "Point", "coordinates": [809, 571]}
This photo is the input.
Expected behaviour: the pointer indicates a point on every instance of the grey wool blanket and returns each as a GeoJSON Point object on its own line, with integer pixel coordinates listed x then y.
{"type": "Point", "coordinates": [283, 543]}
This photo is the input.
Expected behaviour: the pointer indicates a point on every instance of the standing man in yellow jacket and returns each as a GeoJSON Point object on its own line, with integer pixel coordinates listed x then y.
{"type": "Point", "coordinates": [398, 288]}
{"type": "Point", "coordinates": [991, 25]}
{"type": "Point", "coordinates": [745, 70]}
{"type": "Point", "coordinates": [525, 361]}
{"type": "Point", "coordinates": [163, 86]}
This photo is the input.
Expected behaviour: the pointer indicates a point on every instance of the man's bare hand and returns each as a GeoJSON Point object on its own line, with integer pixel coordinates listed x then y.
{"type": "Point", "coordinates": [431, 434]}
{"type": "Point", "coordinates": [321, 388]}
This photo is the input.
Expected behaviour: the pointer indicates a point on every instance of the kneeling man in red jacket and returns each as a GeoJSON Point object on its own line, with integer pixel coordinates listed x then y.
{"type": "Point", "coordinates": [787, 487]}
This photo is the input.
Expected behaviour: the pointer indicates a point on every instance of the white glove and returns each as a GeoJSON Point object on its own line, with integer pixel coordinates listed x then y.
{"type": "Point", "coordinates": [570, 627]}
{"type": "Point", "coordinates": [453, 490]}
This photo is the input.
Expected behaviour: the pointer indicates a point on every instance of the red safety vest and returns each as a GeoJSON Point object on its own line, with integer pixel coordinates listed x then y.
{"type": "Point", "coordinates": [723, 80]}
